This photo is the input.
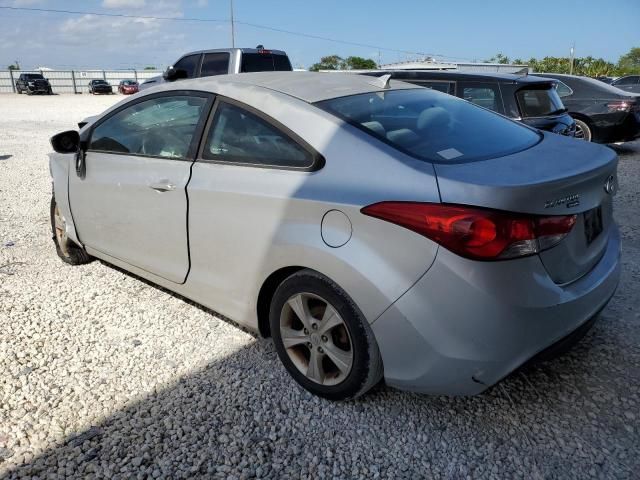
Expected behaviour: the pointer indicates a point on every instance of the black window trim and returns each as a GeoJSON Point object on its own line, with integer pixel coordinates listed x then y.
{"type": "Point", "coordinates": [195, 141]}
{"type": "Point", "coordinates": [318, 160]}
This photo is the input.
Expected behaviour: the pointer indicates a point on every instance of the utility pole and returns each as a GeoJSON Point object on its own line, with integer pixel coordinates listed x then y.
{"type": "Point", "coordinates": [379, 58]}
{"type": "Point", "coordinates": [233, 33]}
{"type": "Point", "coordinates": [573, 49]}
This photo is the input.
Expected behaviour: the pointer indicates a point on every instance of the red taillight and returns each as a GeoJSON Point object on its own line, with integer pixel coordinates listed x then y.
{"type": "Point", "coordinates": [476, 232]}
{"type": "Point", "coordinates": [619, 106]}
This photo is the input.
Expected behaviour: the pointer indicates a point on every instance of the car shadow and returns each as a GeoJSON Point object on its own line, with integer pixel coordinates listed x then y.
{"type": "Point", "coordinates": [5, 157]}
{"type": "Point", "coordinates": [627, 148]}
{"type": "Point", "coordinates": [243, 414]}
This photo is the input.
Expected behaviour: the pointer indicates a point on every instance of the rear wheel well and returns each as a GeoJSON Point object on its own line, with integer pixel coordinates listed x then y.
{"type": "Point", "coordinates": [266, 294]}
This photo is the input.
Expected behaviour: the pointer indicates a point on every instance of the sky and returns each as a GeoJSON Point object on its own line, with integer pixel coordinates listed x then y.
{"type": "Point", "coordinates": [401, 30]}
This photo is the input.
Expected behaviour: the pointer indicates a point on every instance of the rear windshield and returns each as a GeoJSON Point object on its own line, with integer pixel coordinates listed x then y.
{"type": "Point", "coordinates": [265, 62]}
{"type": "Point", "coordinates": [433, 126]}
{"type": "Point", "coordinates": [539, 102]}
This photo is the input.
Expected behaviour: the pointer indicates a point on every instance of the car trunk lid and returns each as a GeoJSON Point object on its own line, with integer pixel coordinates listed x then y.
{"type": "Point", "coordinates": [558, 176]}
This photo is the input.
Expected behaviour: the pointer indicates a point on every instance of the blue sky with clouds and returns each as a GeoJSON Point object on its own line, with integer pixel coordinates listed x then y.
{"type": "Point", "coordinates": [464, 29]}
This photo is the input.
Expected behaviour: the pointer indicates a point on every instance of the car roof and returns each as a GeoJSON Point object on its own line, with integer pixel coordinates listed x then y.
{"type": "Point", "coordinates": [457, 75]}
{"type": "Point", "coordinates": [231, 50]}
{"type": "Point", "coordinates": [309, 87]}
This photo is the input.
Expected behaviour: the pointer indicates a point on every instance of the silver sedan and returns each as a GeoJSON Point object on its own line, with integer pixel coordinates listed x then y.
{"type": "Point", "coordinates": [374, 229]}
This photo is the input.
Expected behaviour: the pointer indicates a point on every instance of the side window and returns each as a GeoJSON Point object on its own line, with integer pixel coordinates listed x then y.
{"type": "Point", "coordinates": [486, 95]}
{"type": "Point", "coordinates": [631, 80]}
{"type": "Point", "coordinates": [160, 127]}
{"type": "Point", "coordinates": [187, 66]}
{"type": "Point", "coordinates": [563, 89]}
{"type": "Point", "coordinates": [215, 64]}
{"type": "Point", "coordinates": [238, 136]}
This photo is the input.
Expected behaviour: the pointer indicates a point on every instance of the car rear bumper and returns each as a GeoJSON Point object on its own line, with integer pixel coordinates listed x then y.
{"type": "Point", "coordinates": [465, 325]}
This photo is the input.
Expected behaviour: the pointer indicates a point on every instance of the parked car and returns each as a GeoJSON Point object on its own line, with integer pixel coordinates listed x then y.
{"type": "Point", "coordinates": [127, 87]}
{"type": "Point", "coordinates": [603, 113]}
{"type": "Point", "coordinates": [372, 228]}
{"type": "Point", "coordinates": [532, 101]}
{"type": "Point", "coordinates": [33, 83]}
{"type": "Point", "coordinates": [207, 63]}
{"type": "Point", "coordinates": [630, 83]}
{"type": "Point", "coordinates": [605, 79]}
{"type": "Point", "coordinates": [99, 86]}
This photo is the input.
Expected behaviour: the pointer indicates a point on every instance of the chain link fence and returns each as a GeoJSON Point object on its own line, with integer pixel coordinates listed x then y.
{"type": "Point", "coordinates": [75, 81]}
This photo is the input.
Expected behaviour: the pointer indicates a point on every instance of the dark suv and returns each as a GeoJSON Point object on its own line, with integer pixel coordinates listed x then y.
{"type": "Point", "coordinates": [530, 100]}
{"type": "Point", "coordinates": [33, 83]}
{"type": "Point", "coordinates": [206, 63]}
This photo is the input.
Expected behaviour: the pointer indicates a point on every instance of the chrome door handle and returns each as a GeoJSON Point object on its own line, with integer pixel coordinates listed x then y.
{"type": "Point", "coordinates": [162, 186]}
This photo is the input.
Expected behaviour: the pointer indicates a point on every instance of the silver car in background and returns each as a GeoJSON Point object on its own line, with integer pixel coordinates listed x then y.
{"type": "Point", "coordinates": [371, 227]}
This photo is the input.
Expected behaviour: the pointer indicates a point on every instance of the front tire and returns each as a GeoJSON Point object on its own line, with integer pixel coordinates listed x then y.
{"type": "Point", "coordinates": [19, 90]}
{"type": "Point", "coordinates": [66, 249]}
{"type": "Point", "coordinates": [583, 131]}
{"type": "Point", "coordinates": [322, 338]}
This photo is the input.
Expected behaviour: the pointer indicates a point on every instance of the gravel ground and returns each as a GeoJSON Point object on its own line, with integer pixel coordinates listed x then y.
{"type": "Point", "coordinates": [103, 375]}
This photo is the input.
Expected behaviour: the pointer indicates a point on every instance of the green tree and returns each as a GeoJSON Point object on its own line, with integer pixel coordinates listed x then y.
{"type": "Point", "coordinates": [14, 66]}
{"type": "Point", "coordinates": [629, 63]}
{"type": "Point", "coordinates": [499, 58]}
{"type": "Point", "coordinates": [359, 63]}
{"type": "Point", "coordinates": [149, 68]}
{"type": "Point", "coordinates": [331, 62]}
{"type": "Point", "coordinates": [336, 62]}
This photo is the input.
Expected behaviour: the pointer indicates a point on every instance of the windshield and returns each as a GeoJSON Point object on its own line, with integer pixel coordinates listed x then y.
{"type": "Point", "coordinates": [433, 126]}
{"type": "Point", "coordinates": [34, 76]}
{"type": "Point", "coordinates": [265, 62]}
{"type": "Point", "coordinates": [99, 82]}
{"type": "Point", "coordinates": [539, 102]}
{"type": "Point", "coordinates": [128, 82]}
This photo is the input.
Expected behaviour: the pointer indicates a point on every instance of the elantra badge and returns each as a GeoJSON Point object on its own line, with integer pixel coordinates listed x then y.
{"type": "Point", "coordinates": [569, 201]}
{"type": "Point", "coordinates": [610, 185]}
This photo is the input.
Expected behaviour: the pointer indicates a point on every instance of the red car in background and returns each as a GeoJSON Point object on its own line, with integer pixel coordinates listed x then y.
{"type": "Point", "coordinates": [127, 87]}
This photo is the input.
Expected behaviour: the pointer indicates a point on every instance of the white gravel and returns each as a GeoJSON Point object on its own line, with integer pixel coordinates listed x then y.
{"type": "Point", "coordinates": [103, 375]}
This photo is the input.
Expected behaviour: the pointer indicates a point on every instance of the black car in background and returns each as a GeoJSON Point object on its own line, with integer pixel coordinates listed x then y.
{"type": "Point", "coordinates": [33, 83]}
{"type": "Point", "coordinates": [99, 86]}
{"type": "Point", "coordinates": [603, 113]}
{"type": "Point", "coordinates": [630, 83]}
{"type": "Point", "coordinates": [530, 100]}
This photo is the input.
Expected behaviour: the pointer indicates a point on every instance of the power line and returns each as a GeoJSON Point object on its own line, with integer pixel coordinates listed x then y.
{"type": "Point", "coordinates": [216, 20]}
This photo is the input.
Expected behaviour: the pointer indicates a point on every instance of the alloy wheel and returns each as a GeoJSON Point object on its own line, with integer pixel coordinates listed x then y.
{"type": "Point", "coordinates": [316, 339]}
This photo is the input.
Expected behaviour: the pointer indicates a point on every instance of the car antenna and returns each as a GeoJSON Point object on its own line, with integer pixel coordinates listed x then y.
{"type": "Point", "coordinates": [381, 82]}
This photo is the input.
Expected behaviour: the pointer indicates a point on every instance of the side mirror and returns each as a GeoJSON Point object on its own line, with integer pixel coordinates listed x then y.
{"type": "Point", "coordinates": [170, 74]}
{"type": "Point", "coordinates": [66, 142]}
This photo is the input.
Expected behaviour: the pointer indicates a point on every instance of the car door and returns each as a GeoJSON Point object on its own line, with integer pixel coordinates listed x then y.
{"type": "Point", "coordinates": [130, 201]}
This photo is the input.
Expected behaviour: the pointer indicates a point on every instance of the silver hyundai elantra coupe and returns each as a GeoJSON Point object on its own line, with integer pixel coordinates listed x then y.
{"type": "Point", "coordinates": [374, 229]}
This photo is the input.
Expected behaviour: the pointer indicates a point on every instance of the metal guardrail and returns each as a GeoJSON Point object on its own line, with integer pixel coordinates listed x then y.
{"type": "Point", "coordinates": [75, 81]}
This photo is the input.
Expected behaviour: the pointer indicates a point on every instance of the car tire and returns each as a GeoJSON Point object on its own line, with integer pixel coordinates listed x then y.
{"type": "Point", "coordinates": [18, 90]}
{"type": "Point", "coordinates": [66, 249]}
{"type": "Point", "coordinates": [338, 342]}
{"type": "Point", "coordinates": [50, 91]}
{"type": "Point", "coordinates": [583, 131]}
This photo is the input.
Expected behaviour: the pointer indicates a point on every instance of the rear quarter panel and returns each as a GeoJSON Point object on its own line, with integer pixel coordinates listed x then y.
{"type": "Point", "coordinates": [246, 223]}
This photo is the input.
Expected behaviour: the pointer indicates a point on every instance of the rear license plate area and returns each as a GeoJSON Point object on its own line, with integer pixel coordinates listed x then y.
{"type": "Point", "coordinates": [592, 224]}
